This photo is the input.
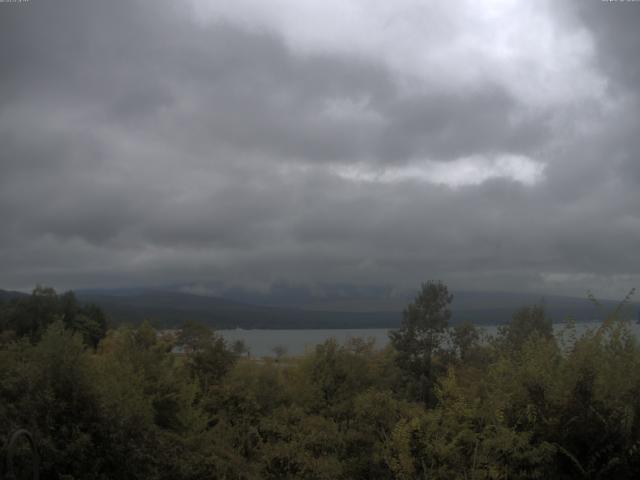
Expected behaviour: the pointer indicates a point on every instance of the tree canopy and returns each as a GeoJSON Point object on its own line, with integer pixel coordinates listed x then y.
{"type": "Point", "coordinates": [424, 323]}
{"type": "Point", "coordinates": [527, 403]}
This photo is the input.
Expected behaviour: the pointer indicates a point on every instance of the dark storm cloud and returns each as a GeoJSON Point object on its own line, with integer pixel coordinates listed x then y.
{"type": "Point", "coordinates": [238, 89]}
{"type": "Point", "coordinates": [449, 125]}
{"type": "Point", "coordinates": [615, 27]}
{"type": "Point", "coordinates": [141, 146]}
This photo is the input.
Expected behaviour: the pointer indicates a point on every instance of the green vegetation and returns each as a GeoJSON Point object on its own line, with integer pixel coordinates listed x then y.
{"type": "Point", "coordinates": [437, 403]}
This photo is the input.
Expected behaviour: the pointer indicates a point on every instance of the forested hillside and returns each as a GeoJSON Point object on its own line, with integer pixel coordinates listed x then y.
{"type": "Point", "coordinates": [439, 402]}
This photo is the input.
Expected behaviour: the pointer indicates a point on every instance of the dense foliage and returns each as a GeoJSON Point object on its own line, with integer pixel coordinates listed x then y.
{"type": "Point", "coordinates": [437, 403]}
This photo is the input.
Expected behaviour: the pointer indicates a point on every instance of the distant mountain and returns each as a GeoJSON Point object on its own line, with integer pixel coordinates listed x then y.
{"type": "Point", "coordinates": [469, 306]}
{"type": "Point", "coordinates": [10, 294]}
{"type": "Point", "coordinates": [165, 308]}
{"type": "Point", "coordinates": [318, 296]}
{"type": "Point", "coordinates": [336, 307]}
{"type": "Point", "coordinates": [481, 306]}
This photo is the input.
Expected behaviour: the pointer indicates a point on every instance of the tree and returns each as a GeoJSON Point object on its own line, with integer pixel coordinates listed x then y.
{"type": "Point", "coordinates": [194, 336]}
{"type": "Point", "coordinates": [211, 362]}
{"type": "Point", "coordinates": [30, 316]}
{"type": "Point", "coordinates": [464, 338]}
{"type": "Point", "coordinates": [239, 347]}
{"type": "Point", "coordinates": [525, 323]}
{"type": "Point", "coordinates": [420, 335]}
{"type": "Point", "coordinates": [91, 322]}
{"type": "Point", "coordinates": [279, 351]}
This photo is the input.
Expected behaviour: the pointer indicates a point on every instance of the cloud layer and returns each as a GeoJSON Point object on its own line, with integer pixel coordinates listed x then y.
{"type": "Point", "coordinates": [492, 144]}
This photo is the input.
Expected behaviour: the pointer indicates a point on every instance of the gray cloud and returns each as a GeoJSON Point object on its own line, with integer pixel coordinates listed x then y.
{"type": "Point", "coordinates": [615, 28]}
{"type": "Point", "coordinates": [140, 146]}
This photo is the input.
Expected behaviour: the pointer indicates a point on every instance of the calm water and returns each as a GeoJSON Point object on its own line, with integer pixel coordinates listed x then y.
{"type": "Point", "coordinates": [262, 342]}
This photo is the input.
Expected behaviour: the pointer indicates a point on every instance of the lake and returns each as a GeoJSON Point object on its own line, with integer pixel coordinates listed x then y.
{"type": "Point", "coordinates": [262, 342]}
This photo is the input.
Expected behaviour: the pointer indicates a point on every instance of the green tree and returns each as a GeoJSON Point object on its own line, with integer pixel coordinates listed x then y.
{"type": "Point", "coordinates": [208, 357]}
{"type": "Point", "coordinates": [421, 333]}
{"type": "Point", "coordinates": [464, 339]}
{"type": "Point", "coordinates": [300, 445]}
{"type": "Point", "coordinates": [526, 322]}
{"type": "Point", "coordinates": [211, 362]}
{"type": "Point", "coordinates": [239, 347]}
{"type": "Point", "coordinates": [279, 351]}
{"type": "Point", "coordinates": [30, 316]}
{"type": "Point", "coordinates": [91, 323]}
{"type": "Point", "coordinates": [194, 336]}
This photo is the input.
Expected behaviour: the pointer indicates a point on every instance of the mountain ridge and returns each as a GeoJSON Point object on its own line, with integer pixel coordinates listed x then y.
{"type": "Point", "coordinates": [168, 307]}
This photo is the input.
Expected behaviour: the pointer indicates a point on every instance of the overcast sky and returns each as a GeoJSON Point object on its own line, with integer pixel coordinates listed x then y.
{"type": "Point", "coordinates": [492, 144]}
